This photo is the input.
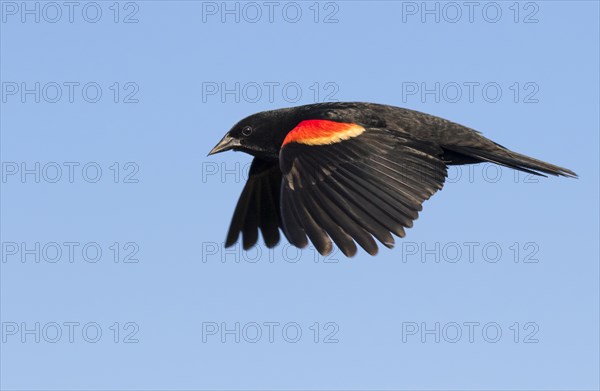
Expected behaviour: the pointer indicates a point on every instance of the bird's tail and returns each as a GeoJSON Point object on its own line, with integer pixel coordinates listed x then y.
{"type": "Point", "coordinates": [504, 157]}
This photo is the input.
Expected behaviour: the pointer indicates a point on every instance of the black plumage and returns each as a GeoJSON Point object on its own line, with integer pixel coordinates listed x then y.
{"type": "Point", "coordinates": [350, 172]}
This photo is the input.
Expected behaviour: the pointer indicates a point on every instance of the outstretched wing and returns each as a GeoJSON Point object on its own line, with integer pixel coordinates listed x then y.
{"type": "Point", "coordinates": [347, 183]}
{"type": "Point", "coordinates": [258, 206]}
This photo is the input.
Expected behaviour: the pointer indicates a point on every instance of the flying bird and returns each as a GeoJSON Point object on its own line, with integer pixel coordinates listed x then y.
{"type": "Point", "coordinates": [350, 172]}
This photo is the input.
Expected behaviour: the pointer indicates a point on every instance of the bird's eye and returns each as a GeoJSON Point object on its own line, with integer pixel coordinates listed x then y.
{"type": "Point", "coordinates": [247, 131]}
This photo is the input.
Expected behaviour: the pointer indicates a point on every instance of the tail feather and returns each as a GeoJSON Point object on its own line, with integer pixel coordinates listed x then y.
{"type": "Point", "coordinates": [517, 161]}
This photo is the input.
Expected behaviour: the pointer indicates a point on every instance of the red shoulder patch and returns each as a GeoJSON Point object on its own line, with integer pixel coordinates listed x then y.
{"type": "Point", "coordinates": [322, 132]}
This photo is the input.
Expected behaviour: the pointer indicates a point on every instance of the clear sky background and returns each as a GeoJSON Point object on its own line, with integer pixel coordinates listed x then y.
{"type": "Point", "coordinates": [496, 286]}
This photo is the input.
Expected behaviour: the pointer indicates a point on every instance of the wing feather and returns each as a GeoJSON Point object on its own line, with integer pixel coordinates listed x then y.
{"type": "Point", "coordinates": [258, 207]}
{"type": "Point", "coordinates": [357, 189]}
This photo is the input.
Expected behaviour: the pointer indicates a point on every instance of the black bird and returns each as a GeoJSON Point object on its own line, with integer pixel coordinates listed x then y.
{"type": "Point", "coordinates": [350, 172]}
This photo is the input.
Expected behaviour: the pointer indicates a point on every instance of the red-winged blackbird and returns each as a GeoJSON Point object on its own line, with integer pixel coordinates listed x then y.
{"type": "Point", "coordinates": [349, 172]}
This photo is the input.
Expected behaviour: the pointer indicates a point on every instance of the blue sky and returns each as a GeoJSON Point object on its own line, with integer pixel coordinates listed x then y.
{"type": "Point", "coordinates": [113, 274]}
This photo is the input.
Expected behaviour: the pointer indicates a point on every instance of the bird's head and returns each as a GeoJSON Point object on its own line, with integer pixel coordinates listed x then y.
{"type": "Point", "coordinates": [260, 134]}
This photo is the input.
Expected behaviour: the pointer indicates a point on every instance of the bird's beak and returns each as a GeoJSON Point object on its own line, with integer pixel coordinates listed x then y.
{"type": "Point", "coordinates": [225, 144]}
